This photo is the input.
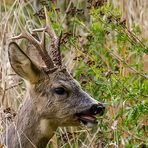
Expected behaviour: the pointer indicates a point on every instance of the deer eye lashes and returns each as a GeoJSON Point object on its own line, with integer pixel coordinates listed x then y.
{"type": "Point", "coordinates": [60, 91]}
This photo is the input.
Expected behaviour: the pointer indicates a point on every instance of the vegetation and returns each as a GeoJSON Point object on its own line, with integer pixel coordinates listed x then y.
{"type": "Point", "coordinates": [108, 63]}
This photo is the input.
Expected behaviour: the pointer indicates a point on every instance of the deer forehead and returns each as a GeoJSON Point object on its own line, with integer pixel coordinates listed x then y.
{"type": "Point", "coordinates": [60, 77]}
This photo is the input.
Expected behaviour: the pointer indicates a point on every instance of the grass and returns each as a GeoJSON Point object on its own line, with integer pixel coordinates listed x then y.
{"type": "Point", "coordinates": [108, 63]}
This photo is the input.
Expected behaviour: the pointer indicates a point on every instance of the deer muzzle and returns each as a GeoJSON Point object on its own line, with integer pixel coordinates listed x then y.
{"type": "Point", "coordinates": [87, 117]}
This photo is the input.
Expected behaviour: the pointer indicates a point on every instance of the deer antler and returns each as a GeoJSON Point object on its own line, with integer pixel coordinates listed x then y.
{"type": "Point", "coordinates": [40, 45]}
{"type": "Point", "coordinates": [55, 45]}
{"type": "Point", "coordinates": [55, 48]}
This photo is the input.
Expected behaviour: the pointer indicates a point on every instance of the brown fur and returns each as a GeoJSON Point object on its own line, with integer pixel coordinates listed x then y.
{"type": "Point", "coordinates": [43, 110]}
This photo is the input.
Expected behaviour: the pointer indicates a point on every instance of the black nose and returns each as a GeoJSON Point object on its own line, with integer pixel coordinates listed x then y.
{"type": "Point", "coordinates": [97, 109]}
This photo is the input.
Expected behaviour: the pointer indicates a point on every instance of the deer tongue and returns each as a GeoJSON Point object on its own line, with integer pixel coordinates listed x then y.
{"type": "Point", "coordinates": [85, 119]}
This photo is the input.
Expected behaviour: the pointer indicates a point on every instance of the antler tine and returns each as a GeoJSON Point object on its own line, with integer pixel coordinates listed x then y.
{"type": "Point", "coordinates": [27, 36]}
{"type": "Point", "coordinates": [55, 45]}
{"type": "Point", "coordinates": [39, 46]}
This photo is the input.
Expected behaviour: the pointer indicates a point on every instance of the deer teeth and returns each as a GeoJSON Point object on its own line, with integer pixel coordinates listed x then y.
{"type": "Point", "coordinates": [89, 124]}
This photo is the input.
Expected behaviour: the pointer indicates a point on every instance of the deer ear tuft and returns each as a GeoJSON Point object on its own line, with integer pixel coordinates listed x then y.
{"type": "Point", "coordinates": [22, 64]}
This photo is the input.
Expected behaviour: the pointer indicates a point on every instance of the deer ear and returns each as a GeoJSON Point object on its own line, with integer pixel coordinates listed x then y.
{"type": "Point", "coordinates": [22, 64]}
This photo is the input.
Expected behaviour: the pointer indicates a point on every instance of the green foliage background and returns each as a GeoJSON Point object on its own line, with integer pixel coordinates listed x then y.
{"type": "Point", "coordinates": [108, 65]}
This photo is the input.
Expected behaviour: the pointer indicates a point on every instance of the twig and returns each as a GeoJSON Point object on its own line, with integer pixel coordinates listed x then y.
{"type": "Point", "coordinates": [68, 7]}
{"type": "Point", "coordinates": [123, 61]}
{"type": "Point", "coordinates": [3, 95]}
{"type": "Point", "coordinates": [15, 85]}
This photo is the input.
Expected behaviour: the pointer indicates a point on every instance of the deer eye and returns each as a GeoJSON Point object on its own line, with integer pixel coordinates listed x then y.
{"type": "Point", "coordinates": [59, 91]}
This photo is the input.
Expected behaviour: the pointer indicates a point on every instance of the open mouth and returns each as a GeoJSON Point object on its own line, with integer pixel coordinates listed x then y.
{"type": "Point", "coordinates": [88, 117]}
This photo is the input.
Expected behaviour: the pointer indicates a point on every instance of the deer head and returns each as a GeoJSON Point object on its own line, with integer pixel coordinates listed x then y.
{"type": "Point", "coordinates": [54, 98]}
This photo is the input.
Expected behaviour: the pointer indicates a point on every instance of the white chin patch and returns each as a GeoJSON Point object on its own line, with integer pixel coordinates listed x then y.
{"type": "Point", "coordinates": [89, 124]}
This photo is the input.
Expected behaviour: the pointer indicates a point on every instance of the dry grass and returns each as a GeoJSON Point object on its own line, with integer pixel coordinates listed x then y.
{"type": "Point", "coordinates": [135, 12]}
{"type": "Point", "coordinates": [12, 88]}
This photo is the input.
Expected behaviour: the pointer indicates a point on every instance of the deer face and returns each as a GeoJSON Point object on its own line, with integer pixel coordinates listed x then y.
{"type": "Point", "coordinates": [57, 95]}
{"type": "Point", "coordinates": [70, 104]}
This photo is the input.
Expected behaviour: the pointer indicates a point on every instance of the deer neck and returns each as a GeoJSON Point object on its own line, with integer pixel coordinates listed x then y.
{"type": "Point", "coordinates": [30, 129]}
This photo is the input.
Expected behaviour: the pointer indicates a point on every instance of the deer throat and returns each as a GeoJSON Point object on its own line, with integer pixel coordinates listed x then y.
{"type": "Point", "coordinates": [47, 128]}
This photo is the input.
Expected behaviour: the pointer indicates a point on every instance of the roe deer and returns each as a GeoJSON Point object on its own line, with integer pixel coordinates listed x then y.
{"type": "Point", "coordinates": [54, 98]}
